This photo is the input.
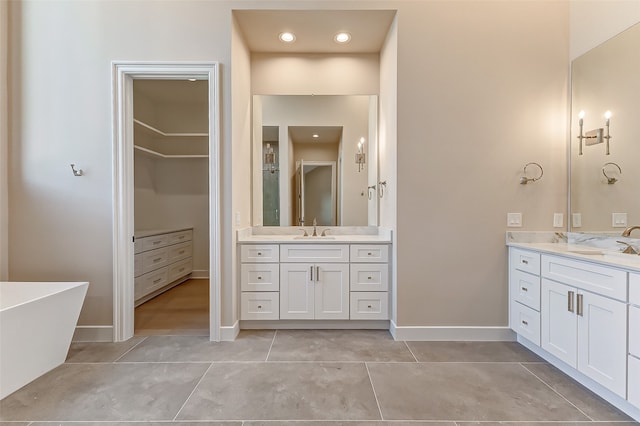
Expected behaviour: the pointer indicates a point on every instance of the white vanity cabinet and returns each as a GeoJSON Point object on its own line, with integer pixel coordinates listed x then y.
{"type": "Point", "coordinates": [369, 282]}
{"type": "Point", "coordinates": [633, 378]}
{"type": "Point", "coordinates": [259, 282]}
{"type": "Point", "coordinates": [162, 260]}
{"type": "Point", "coordinates": [524, 290]}
{"type": "Point", "coordinates": [584, 318]}
{"type": "Point", "coordinates": [318, 290]}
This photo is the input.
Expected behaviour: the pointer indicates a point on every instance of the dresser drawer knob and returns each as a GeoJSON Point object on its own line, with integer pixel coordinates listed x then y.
{"type": "Point", "coordinates": [368, 278]}
{"type": "Point", "coordinates": [259, 253]}
{"type": "Point", "coordinates": [524, 289]}
{"type": "Point", "coordinates": [369, 306]}
{"type": "Point", "coordinates": [259, 306]}
{"type": "Point", "coordinates": [526, 262]}
{"type": "Point", "coordinates": [259, 277]}
{"type": "Point", "coordinates": [524, 322]}
{"type": "Point", "coordinates": [369, 254]}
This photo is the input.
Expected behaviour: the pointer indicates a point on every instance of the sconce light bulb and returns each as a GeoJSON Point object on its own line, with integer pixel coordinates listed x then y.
{"type": "Point", "coordinates": [581, 114]}
{"type": "Point", "coordinates": [607, 115]}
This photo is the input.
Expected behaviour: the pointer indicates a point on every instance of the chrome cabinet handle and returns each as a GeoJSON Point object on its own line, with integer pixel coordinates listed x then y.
{"type": "Point", "coordinates": [526, 262]}
{"type": "Point", "coordinates": [570, 301]}
{"type": "Point", "coordinates": [524, 289]}
{"type": "Point", "coordinates": [311, 272]}
{"type": "Point", "coordinates": [579, 309]}
{"type": "Point", "coordinates": [524, 322]}
{"type": "Point", "coordinates": [317, 273]}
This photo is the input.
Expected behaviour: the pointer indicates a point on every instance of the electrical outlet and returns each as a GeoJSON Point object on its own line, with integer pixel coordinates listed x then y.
{"type": "Point", "coordinates": [576, 220]}
{"type": "Point", "coordinates": [514, 220]}
{"type": "Point", "coordinates": [619, 220]}
{"type": "Point", "coordinates": [558, 219]}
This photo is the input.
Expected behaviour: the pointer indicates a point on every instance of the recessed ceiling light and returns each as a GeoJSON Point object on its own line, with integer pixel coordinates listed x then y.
{"type": "Point", "coordinates": [287, 37]}
{"type": "Point", "coordinates": [191, 79]}
{"type": "Point", "coordinates": [315, 136]}
{"type": "Point", "coordinates": [342, 38]}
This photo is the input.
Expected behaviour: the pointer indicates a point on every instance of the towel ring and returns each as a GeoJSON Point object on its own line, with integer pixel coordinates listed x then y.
{"type": "Point", "coordinates": [610, 180]}
{"type": "Point", "coordinates": [525, 180]}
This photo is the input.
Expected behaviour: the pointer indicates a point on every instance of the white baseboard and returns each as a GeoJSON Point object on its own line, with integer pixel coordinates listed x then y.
{"type": "Point", "coordinates": [443, 333]}
{"type": "Point", "coordinates": [199, 274]}
{"type": "Point", "coordinates": [93, 333]}
{"type": "Point", "coordinates": [314, 324]}
{"type": "Point", "coordinates": [229, 333]}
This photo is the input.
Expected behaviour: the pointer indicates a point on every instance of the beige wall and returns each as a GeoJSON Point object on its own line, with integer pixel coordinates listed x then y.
{"type": "Point", "coordinates": [481, 91]}
{"type": "Point", "coordinates": [4, 138]}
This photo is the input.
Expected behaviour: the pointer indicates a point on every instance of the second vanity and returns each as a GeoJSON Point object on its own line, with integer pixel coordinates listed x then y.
{"type": "Point", "coordinates": [286, 276]}
{"type": "Point", "coordinates": [579, 308]}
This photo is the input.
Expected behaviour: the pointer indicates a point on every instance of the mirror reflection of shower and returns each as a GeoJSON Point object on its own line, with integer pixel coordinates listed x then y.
{"type": "Point", "coordinates": [270, 176]}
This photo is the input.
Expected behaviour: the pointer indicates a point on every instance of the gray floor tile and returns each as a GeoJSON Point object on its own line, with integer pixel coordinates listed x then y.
{"type": "Point", "coordinates": [466, 391]}
{"type": "Point", "coordinates": [472, 352]}
{"type": "Point", "coordinates": [110, 392]}
{"type": "Point", "coordinates": [591, 404]}
{"type": "Point", "coordinates": [338, 345]}
{"type": "Point", "coordinates": [100, 352]}
{"type": "Point", "coordinates": [251, 345]}
{"type": "Point", "coordinates": [286, 391]}
{"type": "Point", "coordinates": [349, 423]}
{"type": "Point", "coordinates": [132, 424]}
{"type": "Point", "coordinates": [546, 423]}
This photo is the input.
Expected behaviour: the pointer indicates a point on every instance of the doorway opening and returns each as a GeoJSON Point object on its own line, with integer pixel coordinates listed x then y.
{"type": "Point", "coordinates": [166, 192]}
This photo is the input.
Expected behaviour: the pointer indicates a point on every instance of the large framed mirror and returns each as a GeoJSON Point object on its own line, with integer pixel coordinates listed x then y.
{"type": "Point", "coordinates": [315, 158]}
{"type": "Point", "coordinates": [605, 136]}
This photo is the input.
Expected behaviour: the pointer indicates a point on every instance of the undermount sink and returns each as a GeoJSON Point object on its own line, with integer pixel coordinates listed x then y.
{"type": "Point", "coordinates": [318, 237]}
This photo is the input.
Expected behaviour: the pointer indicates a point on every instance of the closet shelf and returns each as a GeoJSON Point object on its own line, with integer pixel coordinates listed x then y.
{"type": "Point", "coordinates": [168, 134]}
{"type": "Point", "coordinates": [160, 155]}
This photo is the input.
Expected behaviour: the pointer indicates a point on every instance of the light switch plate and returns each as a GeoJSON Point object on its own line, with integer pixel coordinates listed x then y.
{"type": "Point", "coordinates": [514, 220]}
{"type": "Point", "coordinates": [237, 218]}
{"type": "Point", "coordinates": [558, 219]}
{"type": "Point", "coordinates": [619, 220]}
{"type": "Point", "coordinates": [576, 220]}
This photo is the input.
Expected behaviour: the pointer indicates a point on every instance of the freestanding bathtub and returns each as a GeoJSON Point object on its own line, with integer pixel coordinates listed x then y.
{"type": "Point", "coordinates": [37, 321]}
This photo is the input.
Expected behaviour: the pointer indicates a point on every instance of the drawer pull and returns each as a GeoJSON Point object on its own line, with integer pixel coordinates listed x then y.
{"type": "Point", "coordinates": [524, 322]}
{"type": "Point", "coordinates": [369, 306]}
{"type": "Point", "coordinates": [524, 289]}
{"type": "Point", "coordinates": [526, 262]}
{"type": "Point", "coordinates": [259, 277]}
{"type": "Point", "coordinates": [181, 269]}
{"type": "Point", "coordinates": [369, 254]}
{"type": "Point", "coordinates": [570, 301]}
{"type": "Point", "coordinates": [579, 307]}
{"type": "Point", "coordinates": [259, 253]}
{"type": "Point", "coordinates": [156, 242]}
{"type": "Point", "coordinates": [259, 306]}
{"type": "Point", "coordinates": [157, 281]}
{"type": "Point", "coordinates": [181, 237]}
{"type": "Point", "coordinates": [158, 259]}
{"type": "Point", "coordinates": [181, 252]}
{"type": "Point", "coordinates": [368, 278]}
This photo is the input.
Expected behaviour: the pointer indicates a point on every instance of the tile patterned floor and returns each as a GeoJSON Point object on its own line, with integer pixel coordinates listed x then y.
{"type": "Point", "coordinates": [296, 378]}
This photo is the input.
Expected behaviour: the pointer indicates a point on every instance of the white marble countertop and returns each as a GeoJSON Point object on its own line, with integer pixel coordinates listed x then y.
{"type": "Point", "coordinates": [336, 235]}
{"type": "Point", "coordinates": [585, 252]}
{"type": "Point", "coordinates": [149, 232]}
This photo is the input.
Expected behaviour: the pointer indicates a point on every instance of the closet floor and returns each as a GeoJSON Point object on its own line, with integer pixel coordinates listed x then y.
{"type": "Point", "coordinates": [182, 310]}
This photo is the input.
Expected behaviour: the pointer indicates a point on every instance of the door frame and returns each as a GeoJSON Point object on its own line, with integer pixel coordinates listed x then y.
{"type": "Point", "coordinates": [123, 73]}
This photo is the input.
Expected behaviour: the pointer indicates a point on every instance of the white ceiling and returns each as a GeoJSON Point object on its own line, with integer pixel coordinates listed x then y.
{"type": "Point", "coordinates": [314, 30]}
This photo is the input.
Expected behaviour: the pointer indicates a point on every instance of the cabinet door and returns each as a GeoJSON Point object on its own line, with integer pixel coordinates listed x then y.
{"type": "Point", "coordinates": [559, 321]}
{"type": "Point", "coordinates": [331, 291]}
{"type": "Point", "coordinates": [602, 334]}
{"type": "Point", "coordinates": [296, 291]}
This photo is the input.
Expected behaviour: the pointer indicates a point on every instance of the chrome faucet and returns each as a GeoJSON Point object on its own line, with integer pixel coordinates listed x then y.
{"type": "Point", "coordinates": [305, 232]}
{"type": "Point", "coordinates": [315, 232]}
{"type": "Point", "coordinates": [627, 232]}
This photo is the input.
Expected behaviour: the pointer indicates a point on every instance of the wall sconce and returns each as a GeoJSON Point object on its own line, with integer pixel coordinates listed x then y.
{"type": "Point", "coordinates": [610, 180]}
{"type": "Point", "coordinates": [595, 136]}
{"type": "Point", "coordinates": [269, 158]}
{"type": "Point", "coordinates": [360, 157]}
{"type": "Point", "coordinates": [525, 180]}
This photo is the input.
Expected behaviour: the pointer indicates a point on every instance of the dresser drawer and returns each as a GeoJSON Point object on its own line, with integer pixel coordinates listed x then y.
{"type": "Point", "coordinates": [180, 236]}
{"type": "Point", "coordinates": [634, 381]}
{"type": "Point", "coordinates": [260, 306]}
{"type": "Point", "coordinates": [259, 253]}
{"type": "Point", "coordinates": [369, 305]}
{"type": "Point", "coordinates": [524, 260]}
{"type": "Point", "coordinates": [369, 253]}
{"type": "Point", "coordinates": [526, 322]}
{"type": "Point", "coordinates": [180, 269]}
{"type": "Point", "coordinates": [598, 279]}
{"type": "Point", "coordinates": [369, 277]}
{"type": "Point", "coordinates": [180, 251]}
{"type": "Point", "coordinates": [154, 259]}
{"type": "Point", "coordinates": [152, 281]}
{"type": "Point", "coordinates": [525, 288]}
{"type": "Point", "coordinates": [154, 242]}
{"type": "Point", "coordinates": [634, 330]}
{"type": "Point", "coordinates": [634, 289]}
{"type": "Point", "coordinates": [260, 277]}
{"type": "Point", "coordinates": [137, 265]}
{"type": "Point", "coordinates": [314, 253]}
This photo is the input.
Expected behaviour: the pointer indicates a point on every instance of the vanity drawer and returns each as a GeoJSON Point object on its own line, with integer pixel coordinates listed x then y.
{"type": "Point", "coordinates": [634, 330]}
{"type": "Point", "coordinates": [524, 260]}
{"type": "Point", "coordinates": [259, 253]}
{"type": "Point", "coordinates": [180, 236]}
{"type": "Point", "coordinates": [634, 289]}
{"type": "Point", "coordinates": [314, 253]}
{"type": "Point", "coordinates": [598, 279]}
{"type": "Point", "coordinates": [152, 281]}
{"type": "Point", "coordinates": [180, 251]}
{"type": "Point", "coordinates": [525, 321]}
{"type": "Point", "coordinates": [260, 277]}
{"type": "Point", "coordinates": [180, 269]}
{"type": "Point", "coordinates": [370, 253]}
{"type": "Point", "coordinates": [368, 305]}
{"type": "Point", "coordinates": [369, 277]}
{"type": "Point", "coordinates": [154, 242]}
{"type": "Point", "coordinates": [634, 381]}
{"type": "Point", "coordinates": [154, 259]}
{"type": "Point", "coordinates": [525, 288]}
{"type": "Point", "coordinates": [260, 306]}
